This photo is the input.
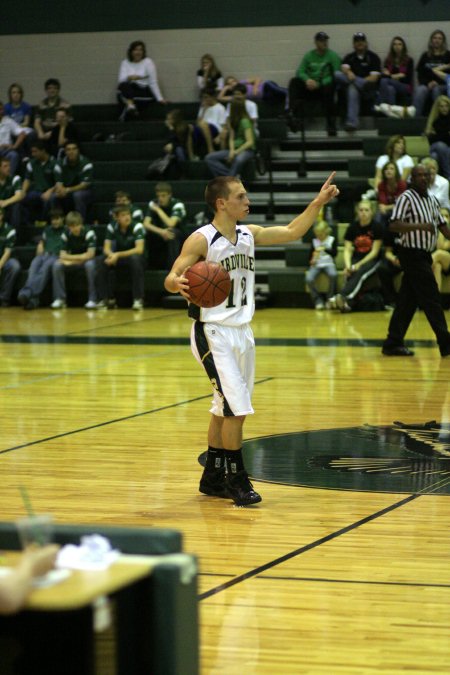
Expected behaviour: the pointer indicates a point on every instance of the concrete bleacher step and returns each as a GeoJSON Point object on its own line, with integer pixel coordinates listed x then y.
{"type": "Point", "coordinates": [408, 126]}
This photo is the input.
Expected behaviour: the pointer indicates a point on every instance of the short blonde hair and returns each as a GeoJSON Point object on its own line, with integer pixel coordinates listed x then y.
{"type": "Point", "coordinates": [74, 218]}
{"type": "Point", "coordinates": [322, 226]}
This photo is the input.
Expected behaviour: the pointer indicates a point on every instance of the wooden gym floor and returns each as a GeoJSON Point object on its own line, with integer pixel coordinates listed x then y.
{"type": "Point", "coordinates": [343, 567]}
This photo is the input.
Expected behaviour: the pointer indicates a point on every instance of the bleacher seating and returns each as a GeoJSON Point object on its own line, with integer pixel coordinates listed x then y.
{"type": "Point", "coordinates": [121, 153]}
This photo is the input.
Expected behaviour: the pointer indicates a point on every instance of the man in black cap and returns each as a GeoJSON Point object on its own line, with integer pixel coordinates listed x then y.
{"type": "Point", "coordinates": [359, 75]}
{"type": "Point", "coordinates": [315, 80]}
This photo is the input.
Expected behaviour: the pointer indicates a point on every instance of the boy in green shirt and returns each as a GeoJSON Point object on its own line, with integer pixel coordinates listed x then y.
{"type": "Point", "coordinates": [47, 252]}
{"type": "Point", "coordinates": [78, 248]}
{"type": "Point", "coordinates": [9, 267]}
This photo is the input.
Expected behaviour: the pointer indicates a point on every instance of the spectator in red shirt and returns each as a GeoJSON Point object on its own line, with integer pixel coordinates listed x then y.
{"type": "Point", "coordinates": [390, 187]}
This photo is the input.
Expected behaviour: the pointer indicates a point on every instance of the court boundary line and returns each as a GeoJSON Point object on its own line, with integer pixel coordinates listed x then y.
{"type": "Point", "coordinates": [114, 421]}
{"type": "Point", "coordinates": [71, 338]}
{"type": "Point", "coordinates": [275, 577]}
{"type": "Point", "coordinates": [303, 549]}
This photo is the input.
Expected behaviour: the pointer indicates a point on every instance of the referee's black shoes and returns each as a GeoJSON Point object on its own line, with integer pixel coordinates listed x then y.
{"type": "Point", "coordinates": [397, 351]}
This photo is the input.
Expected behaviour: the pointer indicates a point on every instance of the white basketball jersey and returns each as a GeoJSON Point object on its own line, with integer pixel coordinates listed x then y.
{"type": "Point", "coordinates": [239, 261]}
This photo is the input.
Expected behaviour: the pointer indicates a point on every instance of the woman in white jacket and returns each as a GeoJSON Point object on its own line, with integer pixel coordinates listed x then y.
{"type": "Point", "coordinates": [137, 80]}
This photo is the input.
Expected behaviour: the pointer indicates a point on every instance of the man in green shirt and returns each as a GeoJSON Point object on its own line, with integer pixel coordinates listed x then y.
{"type": "Point", "coordinates": [47, 253]}
{"type": "Point", "coordinates": [73, 189]}
{"type": "Point", "coordinates": [79, 243]}
{"type": "Point", "coordinates": [38, 184]}
{"type": "Point", "coordinates": [165, 216]}
{"type": "Point", "coordinates": [123, 248]}
{"type": "Point", "coordinates": [9, 267]}
{"type": "Point", "coordinates": [315, 80]}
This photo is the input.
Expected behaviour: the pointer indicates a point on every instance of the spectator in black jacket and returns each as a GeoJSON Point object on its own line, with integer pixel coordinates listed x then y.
{"type": "Point", "coordinates": [359, 76]}
{"type": "Point", "coordinates": [431, 71]}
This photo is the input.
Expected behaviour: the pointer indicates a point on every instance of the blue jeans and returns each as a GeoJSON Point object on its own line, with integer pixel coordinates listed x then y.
{"type": "Point", "coordinates": [59, 271]}
{"type": "Point", "coordinates": [355, 89]}
{"type": "Point", "coordinates": [422, 94]}
{"type": "Point", "coordinates": [8, 275]}
{"type": "Point", "coordinates": [216, 162]}
{"type": "Point", "coordinates": [78, 201]}
{"type": "Point", "coordinates": [390, 89]}
{"type": "Point", "coordinates": [106, 276]}
{"type": "Point", "coordinates": [38, 275]}
{"type": "Point", "coordinates": [314, 272]}
{"type": "Point", "coordinates": [14, 159]}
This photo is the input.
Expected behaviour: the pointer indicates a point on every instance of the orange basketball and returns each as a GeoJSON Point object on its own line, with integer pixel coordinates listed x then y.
{"type": "Point", "coordinates": [209, 283]}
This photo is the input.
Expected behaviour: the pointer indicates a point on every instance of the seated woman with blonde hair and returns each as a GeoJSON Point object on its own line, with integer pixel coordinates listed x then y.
{"type": "Point", "coordinates": [438, 132]}
{"type": "Point", "coordinates": [441, 256]}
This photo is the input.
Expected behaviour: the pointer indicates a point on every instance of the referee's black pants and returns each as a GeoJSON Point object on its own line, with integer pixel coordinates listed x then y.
{"type": "Point", "coordinates": [418, 289]}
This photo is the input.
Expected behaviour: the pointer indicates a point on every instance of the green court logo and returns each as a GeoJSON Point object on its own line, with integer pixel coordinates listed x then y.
{"type": "Point", "coordinates": [401, 458]}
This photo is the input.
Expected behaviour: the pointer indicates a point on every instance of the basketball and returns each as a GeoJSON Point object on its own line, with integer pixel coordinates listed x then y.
{"type": "Point", "coordinates": [209, 284]}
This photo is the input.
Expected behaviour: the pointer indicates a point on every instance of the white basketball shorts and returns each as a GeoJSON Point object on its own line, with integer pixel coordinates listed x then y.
{"type": "Point", "coordinates": [227, 353]}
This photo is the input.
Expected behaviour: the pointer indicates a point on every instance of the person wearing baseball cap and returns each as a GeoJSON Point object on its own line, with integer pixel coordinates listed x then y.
{"type": "Point", "coordinates": [314, 79]}
{"type": "Point", "coordinates": [358, 77]}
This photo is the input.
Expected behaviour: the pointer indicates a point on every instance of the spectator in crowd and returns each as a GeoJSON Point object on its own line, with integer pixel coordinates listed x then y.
{"type": "Point", "coordinates": [122, 198]}
{"type": "Point", "coordinates": [10, 193]}
{"type": "Point", "coordinates": [73, 189]}
{"type": "Point", "coordinates": [12, 137]}
{"type": "Point", "coordinates": [359, 77]}
{"type": "Point", "coordinates": [18, 583]}
{"type": "Point", "coordinates": [429, 73]}
{"type": "Point", "coordinates": [9, 267]}
{"type": "Point", "coordinates": [64, 131]}
{"type": "Point", "coordinates": [123, 248]}
{"type": "Point", "coordinates": [209, 75]}
{"type": "Point", "coordinates": [77, 252]}
{"type": "Point", "coordinates": [47, 253]}
{"type": "Point", "coordinates": [315, 80]}
{"type": "Point", "coordinates": [437, 130]}
{"type": "Point", "coordinates": [321, 261]}
{"type": "Point", "coordinates": [241, 144]}
{"type": "Point", "coordinates": [395, 152]}
{"type": "Point", "coordinates": [362, 249]}
{"type": "Point", "coordinates": [211, 118]}
{"type": "Point", "coordinates": [181, 140]}
{"type": "Point", "coordinates": [18, 109]}
{"type": "Point", "coordinates": [138, 80]}
{"type": "Point", "coordinates": [396, 84]}
{"type": "Point", "coordinates": [441, 256]}
{"type": "Point", "coordinates": [163, 222]}
{"type": "Point", "coordinates": [240, 95]}
{"type": "Point", "coordinates": [258, 89]}
{"type": "Point", "coordinates": [439, 186]}
{"type": "Point", "coordinates": [39, 184]}
{"type": "Point", "coordinates": [389, 188]}
{"type": "Point", "coordinates": [45, 115]}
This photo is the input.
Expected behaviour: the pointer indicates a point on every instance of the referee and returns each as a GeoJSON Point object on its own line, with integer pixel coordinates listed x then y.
{"type": "Point", "coordinates": [416, 218]}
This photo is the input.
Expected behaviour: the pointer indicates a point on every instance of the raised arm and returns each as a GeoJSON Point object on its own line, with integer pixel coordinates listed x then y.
{"type": "Point", "coordinates": [281, 234]}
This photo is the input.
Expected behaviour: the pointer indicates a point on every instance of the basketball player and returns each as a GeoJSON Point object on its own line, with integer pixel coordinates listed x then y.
{"type": "Point", "coordinates": [221, 337]}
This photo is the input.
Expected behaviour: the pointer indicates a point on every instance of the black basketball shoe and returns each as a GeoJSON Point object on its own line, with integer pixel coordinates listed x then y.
{"type": "Point", "coordinates": [213, 483]}
{"type": "Point", "coordinates": [241, 490]}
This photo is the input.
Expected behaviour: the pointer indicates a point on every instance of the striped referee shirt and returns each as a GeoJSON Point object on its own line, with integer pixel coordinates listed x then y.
{"type": "Point", "coordinates": [412, 208]}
